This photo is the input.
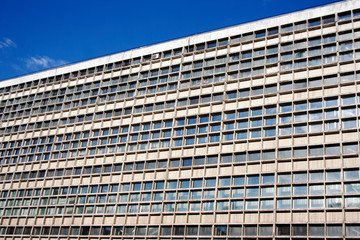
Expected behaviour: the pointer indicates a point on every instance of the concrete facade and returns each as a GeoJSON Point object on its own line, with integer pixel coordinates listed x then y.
{"type": "Point", "coordinates": [247, 132]}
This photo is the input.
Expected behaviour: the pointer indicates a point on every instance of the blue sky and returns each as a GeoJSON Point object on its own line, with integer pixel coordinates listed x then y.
{"type": "Point", "coordinates": [41, 34]}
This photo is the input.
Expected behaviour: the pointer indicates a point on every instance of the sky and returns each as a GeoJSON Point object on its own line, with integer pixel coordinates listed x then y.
{"type": "Point", "coordinates": [40, 34]}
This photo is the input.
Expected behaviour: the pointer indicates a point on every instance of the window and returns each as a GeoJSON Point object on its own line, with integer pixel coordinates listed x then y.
{"type": "Point", "coordinates": [254, 156]}
{"type": "Point", "coordinates": [300, 190]}
{"type": "Point", "coordinates": [283, 230]}
{"type": "Point", "coordinates": [267, 191]}
{"type": "Point", "coordinates": [215, 138]}
{"type": "Point", "coordinates": [267, 204]}
{"type": "Point", "coordinates": [300, 177]}
{"type": "Point", "coordinates": [317, 230]}
{"type": "Point", "coordinates": [255, 133]}
{"type": "Point", "coordinates": [350, 148]}
{"type": "Point", "coordinates": [225, 181]}
{"type": "Point", "coordinates": [210, 182]}
{"type": "Point", "coordinates": [253, 180]}
{"type": "Point", "coordinates": [316, 151]}
{"type": "Point", "coordinates": [299, 230]}
{"type": "Point", "coordinates": [300, 203]}
{"type": "Point", "coordinates": [283, 203]}
{"type": "Point", "coordinates": [332, 150]}
{"type": "Point", "coordinates": [252, 204]}
{"type": "Point", "coordinates": [353, 174]}
{"type": "Point", "coordinates": [226, 158]}
{"type": "Point", "coordinates": [334, 202]}
{"type": "Point", "coordinates": [330, 126]}
{"type": "Point", "coordinates": [284, 178]}
{"type": "Point", "coordinates": [352, 230]}
{"type": "Point", "coordinates": [220, 230]}
{"type": "Point", "coordinates": [334, 230]}
{"type": "Point", "coordinates": [268, 155]}
{"type": "Point", "coordinates": [333, 189]}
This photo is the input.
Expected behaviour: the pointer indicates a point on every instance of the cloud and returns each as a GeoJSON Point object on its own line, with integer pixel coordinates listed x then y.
{"type": "Point", "coordinates": [7, 43]}
{"type": "Point", "coordinates": [42, 62]}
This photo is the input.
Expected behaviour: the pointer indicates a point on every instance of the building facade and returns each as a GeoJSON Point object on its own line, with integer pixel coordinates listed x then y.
{"type": "Point", "coordinates": [248, 132]}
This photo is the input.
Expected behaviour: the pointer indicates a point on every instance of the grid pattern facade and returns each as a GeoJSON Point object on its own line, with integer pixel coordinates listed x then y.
{"type": "Point", "coordinates": [252, 135]}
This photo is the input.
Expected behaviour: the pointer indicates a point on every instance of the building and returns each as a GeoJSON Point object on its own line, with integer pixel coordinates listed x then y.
{"type": "Point", "coordinates": [248, 132]}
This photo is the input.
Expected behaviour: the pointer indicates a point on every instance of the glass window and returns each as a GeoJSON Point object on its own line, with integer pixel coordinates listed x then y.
{"type": "Point", "coordinates": [238, 193]}
{"type": "Point", "coordinates": [256, 112]}
{"type": "Point", "coordinates": [348, 124]}
{"type": "Point", "coordinates": [270, 121]}
{"type": "Point", "coordinates": [285, 119]}
{"type": "Point", "coordinates": [252, 180]}
{"type": "Point", "coordinates": [212, 160]}
{"type": "Point", "coordinates": [252, 204]}
{"type": "Point", "coordinates": [198, 183]}
{"type": "Point", "coordinates": [316, 176]}
{"type": "Point", "coordinates": [267, 155]}
{"type": "Point", "coordinates": [199, 161]}
{"type": "Point", "coordinates": [334, 113]}
{"type": "Point", "coordinates": [184, 184]}
{"type": "Point", "coordinates": [225, 181]}
{"type": "Point", "coordinates": [352, 230]}
{"type": "Point", "coordinates": [283, 203]}
{"type": "Point", "coordinates": [300, 190]}
{"type": "Point", "coordinates": [160, 185]}
{"type": "Point", "coordinates": [283, 230]}
{"type": "Point", "coordinates": [235, 230]}
{"type": "Point", "coordinates": [333, 189]}
{"type": "Point", "coordinates": [205, 231]}
{"type": "Point", "coordinates": [209, 194]}
{"type": "Point", "coordinates": [333, 175]}
{"type": "Point", "coordinates": [190, 141]}
{"type": "Point", "coordinates": [243, 124]}
{"type": "Point", "coordinates": [255, 133]}
{"type": "Point", "coordinates": [316, 151]}
{"type": "Point", "coordinates": [254, 156]}
{"type": "Point", "coordinates": [239, 181]}
{"type": "Point", "coordinates": [252, 192]}
{"type": "Point", "coordinates": [268, 179]}
{"type": "Point", "coordinates": [210, 182]}
{"type": "Point", "coordinates": [286, 108]}
{"type": "Point", "coordinates": [334, 230]}
{"type": "Point", "coordinates": [267, 204]}
{"type": "Point", "coordinates": [317, 230]}
{"type": "Point", "coordinates": [215, 138]}
{"type": "Point", "coordinates": [317, 189]}
{"type": "Point", "coordinates": [250, 230]}
{"type": "Point", "coordinates": [299, 230]}
{"type": "Point", "coordinates": [316, 127]}
{"type": "Point", "coordinates": [229, 116]}
{"type": "Point", "coordinates": [226, 158]}
{"type": "Point", "coordinates": [300, 84]}
{"type": "Point", "coordinates": [300, 177]}
{"type": "Point", "coordinates": [284, 178]}
{"type": "Point", "coordinates": [348, 100]}
{"type": "Point", "coordinates": [284, 153]}
{"type": "Point", "coordinates": [334, 202]}
{"type": "Point", "coordinates": [350, 148]}
{"type": "Point", "coordinates": [352, 174]}
{"type": "Point", "coordinates": [300, 203]}
{"type": "Point", "coordinates": [300, 129]}
{"type": "Point", "coordinates": [352, 188]}
{"type": "Point", "coordinates": [220, 230]}
{"type": "Point", "coordinates": [349, 112]}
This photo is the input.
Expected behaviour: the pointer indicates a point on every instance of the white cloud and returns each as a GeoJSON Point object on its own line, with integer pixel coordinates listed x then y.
{"type": "Point", "coordinates": [42, 62]}
{"type": "Point", "coordinates": [7, 43]}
